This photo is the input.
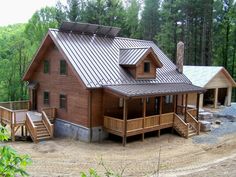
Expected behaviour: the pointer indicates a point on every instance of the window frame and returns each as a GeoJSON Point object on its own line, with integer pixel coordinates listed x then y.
{"type": "Point", "coordinates": [61, 103]}
{"type": "Point", "coordinates": [46, 101]}
{"type": "Point", "coordinates": [64, 73]}
{"type": "Point", "coordinates": [145, 64]}
{"type": "Point", "coordinates": [46, 61]}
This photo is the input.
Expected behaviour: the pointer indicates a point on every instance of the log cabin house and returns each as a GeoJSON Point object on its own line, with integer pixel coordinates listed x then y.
{"type": "Point", "coordinates": [92, 83]}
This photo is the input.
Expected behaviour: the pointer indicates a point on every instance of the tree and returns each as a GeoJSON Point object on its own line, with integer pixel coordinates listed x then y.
{"type": "Point", "coordinates": [73, 10]}
{"type": "Point", "coordinates": [132, 21]}
{"type": "Point", "coordinates": [150, 21]}
{"type": "Point", "coordinates": [11, 163]}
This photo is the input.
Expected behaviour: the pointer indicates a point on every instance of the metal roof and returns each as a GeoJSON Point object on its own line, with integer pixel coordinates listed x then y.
{"type": "Point", "coordinates": [96, 59]}
{"type": "Point", "coordinates": [137, 90]}
{"type": "Point", "coordinates": [87, 28]}
{"type": "Point", "coordinates": [131, 56]}
{"type": "Point", "coordinates": [201, 75]}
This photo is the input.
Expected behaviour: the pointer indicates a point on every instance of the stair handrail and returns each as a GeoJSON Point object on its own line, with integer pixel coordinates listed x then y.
{"type": "Point", "coordinates": [47, 123]}
{"type": "Point", "coordinates": [50, 112]}
{"type": "Point", "coordinates": [192, 121]}
{"type": "Point", "coordinates": [186, 125]}
{"type": "Point", "coordinates": [31, 127]}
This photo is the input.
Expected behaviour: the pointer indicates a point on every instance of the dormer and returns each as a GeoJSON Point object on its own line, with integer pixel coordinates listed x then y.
{"type": "Point", "coordinates": [141, 62]}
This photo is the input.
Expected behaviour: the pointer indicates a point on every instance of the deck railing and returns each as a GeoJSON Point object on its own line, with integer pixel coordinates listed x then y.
{"type": "Point", "coordinates": [47, 123]}
{"type": "Point", "coordinates": [139, 125]}
{"type": "Point", "coordinates": [31, 127]}
{"type": "Point", "coordinates": [51, 113]}
{"type": "Point", "coordinates": [16, 105]}
{"type": "Point", "coordinates": [193, 122]}
{"type": "Point", "coordinates": [180, 126]}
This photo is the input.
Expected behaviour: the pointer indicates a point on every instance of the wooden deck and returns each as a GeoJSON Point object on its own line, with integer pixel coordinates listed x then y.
{"type": "Point", "coordinates": [17, 115]}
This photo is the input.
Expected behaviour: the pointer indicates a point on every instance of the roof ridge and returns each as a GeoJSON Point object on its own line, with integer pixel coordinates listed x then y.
{"type": "Point", "coordinates": [141, 47]}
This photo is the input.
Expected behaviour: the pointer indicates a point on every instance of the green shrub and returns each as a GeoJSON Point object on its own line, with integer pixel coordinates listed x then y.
{"type": "Point", "coordinates": [11, 163]}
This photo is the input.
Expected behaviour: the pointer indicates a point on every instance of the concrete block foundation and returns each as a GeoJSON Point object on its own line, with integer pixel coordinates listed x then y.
{"type": "Point", "coordinates": [67, 129]}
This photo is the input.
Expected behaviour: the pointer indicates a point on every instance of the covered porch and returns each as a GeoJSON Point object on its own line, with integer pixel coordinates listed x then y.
{"type": "Point", "coordinates": [137, 109]}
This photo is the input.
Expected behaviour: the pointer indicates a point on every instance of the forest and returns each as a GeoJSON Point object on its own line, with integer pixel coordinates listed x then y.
{"type": "Point", "coordinates": [207, 27]}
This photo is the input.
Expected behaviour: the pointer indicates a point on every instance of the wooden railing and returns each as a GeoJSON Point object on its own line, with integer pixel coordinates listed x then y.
{"type": "Point", "coordinates": [180, 126]}
{"type": "Point", "coordinates": [152, 121]}
{"type": "Point", "coordinates": [16, 105]}
{"type": "Point", "coordinates": [114, 124]}
{"type": "Point", "coordinates": [48, 124]}
{"type": "Point", "coordinates": [6, 115]}
{"type": "Point", "coordinates": [192, 111]}
{"type": "Point", "coordinates": [51, 113]}
{"type": "Point", "coordinates": [193, 122]}
{"type": "Point", "coordinates": [134, 124]}
{"type": "Point", "coordinates": [31, 128]}
{"type": "Point", "coordinates": [166, 118]}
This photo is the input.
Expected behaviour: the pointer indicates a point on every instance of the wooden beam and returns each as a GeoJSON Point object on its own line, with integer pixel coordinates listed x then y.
{"type": "Point", "coordinates": [174, 103]}
{"type": "Point", "coordinates": [144, 114]}
{"type": "Point", "coordinates": [125, 121]}
{"type": "Point", "coordinates": [216, 98]}
{"type": "Point", "coordinates": [182, 103]}
{"type": "Point", "coordinates": [197, 105]}
{"type": "Point", "coordinates": [185, 108]}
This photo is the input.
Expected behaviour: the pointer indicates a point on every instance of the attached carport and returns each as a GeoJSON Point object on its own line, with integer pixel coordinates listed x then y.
{"type": "Point", "coordinates": [216, 80]}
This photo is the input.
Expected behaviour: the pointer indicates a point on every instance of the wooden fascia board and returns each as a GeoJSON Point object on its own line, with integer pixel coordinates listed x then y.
{"type": "Point", "coordinates": [226, 74]}
{"type": "Point", "coordinates": [155, 59]}
{"type": "Point", "coordinates": [28, 71]}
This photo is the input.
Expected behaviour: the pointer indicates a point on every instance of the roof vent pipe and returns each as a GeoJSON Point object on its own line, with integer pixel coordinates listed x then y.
{"type": "Point", "coordinates": [180, 57]}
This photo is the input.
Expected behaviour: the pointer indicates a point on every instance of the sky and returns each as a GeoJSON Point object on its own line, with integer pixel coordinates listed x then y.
{"type": "Point", "coordinates": [20, 11]}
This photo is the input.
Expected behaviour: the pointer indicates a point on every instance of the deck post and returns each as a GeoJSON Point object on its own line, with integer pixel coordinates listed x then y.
{"type": "Point", "coordinates": [197, 106]}
{"type": "Point", "coordinates": [125, 122]}
{"type": "Point", "coordinates": [182, 104]}
{"type": "Point", "coordinates": [160, 111]}
{"type": "Point", "coordinates": [12, 126]}
{"type": "Point", "coordinates": [216, 98]}
{"type": "Point", "coordinates": [174, 102]}
{"type": "Point", "coordinates": [185, 108]}
{"type": "Point", "coordinates": [144, 115]}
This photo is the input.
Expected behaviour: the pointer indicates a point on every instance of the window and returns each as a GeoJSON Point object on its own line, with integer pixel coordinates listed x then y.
{"type": "Point", "coordinates": [46, 98]}
{"type": "Point", "coordinates": [46, 66]}
{"type": "Point", "coordinates": [147, 67]}
{"type": "Point", "coordinates": [63, 101]}
{"type": "Point", "coordinates": [63, 67]}
{"type": "Point", "coordinates": [169, 99]}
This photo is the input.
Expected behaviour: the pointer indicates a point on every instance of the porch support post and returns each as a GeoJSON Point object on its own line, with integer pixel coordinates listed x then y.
{"type": "Point", "coordinates": [125, 122]}
{"type": "Point", "coordinates": [182, 103]}
{"type": "Point", "coordinates": [185, 109]}
{"type": "Point", "coordinates": [229, 95]}
{"type": "Point", "coordinates": [144, 115]}
{"type": "Point", "coordinates": [161, 102]}
{"type": "Point", "coordinates": [216, 98]}
{"type": "Point", "coordinates": [197, 105]}
{"type": "Point", "coordinates": [174, 103]}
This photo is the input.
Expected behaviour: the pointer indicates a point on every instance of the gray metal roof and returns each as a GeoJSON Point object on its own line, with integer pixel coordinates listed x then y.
{"type": "Point", "coordinates": [136, 90]}
{"type": "Point", "coordinates": [131, 56]}
{"type": "Point", "coordinates": [96, 59]}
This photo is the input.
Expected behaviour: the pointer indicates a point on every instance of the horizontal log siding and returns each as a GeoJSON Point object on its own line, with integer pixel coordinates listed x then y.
{"type": "Point", "coordinates": [56, 84]}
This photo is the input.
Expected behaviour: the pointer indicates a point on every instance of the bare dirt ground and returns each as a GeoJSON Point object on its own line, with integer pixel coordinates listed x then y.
{"type": "Point", "coordinates": [177, 157]}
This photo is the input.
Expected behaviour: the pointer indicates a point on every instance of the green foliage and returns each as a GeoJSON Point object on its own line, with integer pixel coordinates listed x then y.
{"type": "Point", "coordinates": [11, 163]}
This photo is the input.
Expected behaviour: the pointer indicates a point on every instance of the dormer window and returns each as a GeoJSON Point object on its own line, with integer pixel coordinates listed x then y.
{"type": "Point", "coordinates": [146, 67]}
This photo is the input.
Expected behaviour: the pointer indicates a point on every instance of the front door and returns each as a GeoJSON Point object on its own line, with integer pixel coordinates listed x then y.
{"type": "Point", "coordinates": [33, 99]}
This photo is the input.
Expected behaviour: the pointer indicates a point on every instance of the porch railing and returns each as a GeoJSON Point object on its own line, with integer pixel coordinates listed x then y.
{"type": "Point", "coordinates": [51, 113]}
{"type": "Point", "coordinates": [135, 126]}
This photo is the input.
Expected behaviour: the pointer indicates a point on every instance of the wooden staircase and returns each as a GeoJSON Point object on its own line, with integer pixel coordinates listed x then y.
{"type": "Point", "coordinates": [41, 131]}
{"type": "Point", "coordinates": [189, 129]}
{"type": "Point", "coordinates": [39, 126]}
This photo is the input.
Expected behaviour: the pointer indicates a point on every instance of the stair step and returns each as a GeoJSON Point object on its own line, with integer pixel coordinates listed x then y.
{"type": "Point", "coordinates": [44, 137]}
{"type": "Point", "coordinates": [192, 134]}
{"type": "Point", "coordinates": [43, 134]}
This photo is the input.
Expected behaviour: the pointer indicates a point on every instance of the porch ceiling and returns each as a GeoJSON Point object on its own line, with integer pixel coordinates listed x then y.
{"type": "Point", "coordinates": [140, 90]}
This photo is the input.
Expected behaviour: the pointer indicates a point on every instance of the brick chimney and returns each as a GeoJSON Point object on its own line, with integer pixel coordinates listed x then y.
{"type": "Point", "coordinates": [180, 57]}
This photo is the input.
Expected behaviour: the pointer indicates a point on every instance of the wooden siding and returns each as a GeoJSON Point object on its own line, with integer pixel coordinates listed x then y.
{"type": "Point", "coordinates": [56, 84]}
{"type": "Point", "coordinates": [219, 81]}
{"type": "Point", "coordinates": [140, 74]}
